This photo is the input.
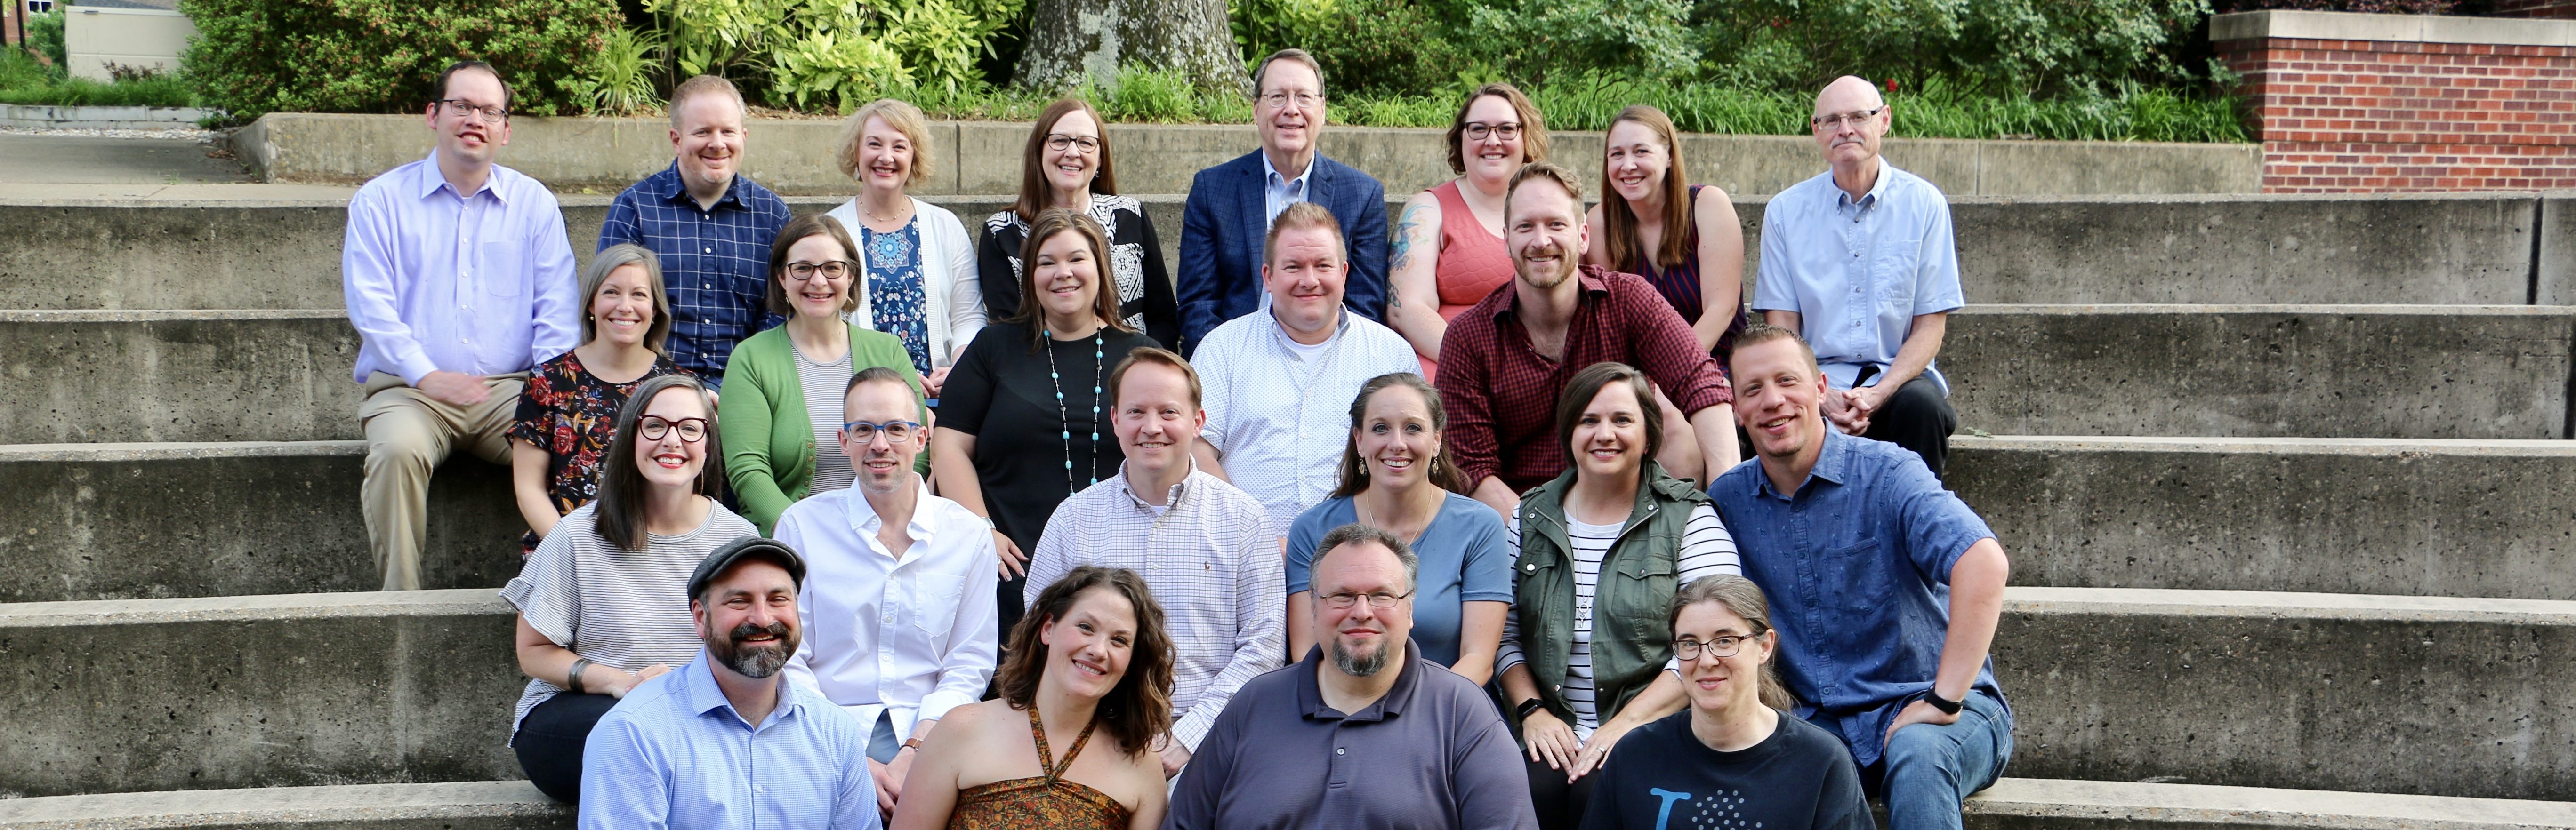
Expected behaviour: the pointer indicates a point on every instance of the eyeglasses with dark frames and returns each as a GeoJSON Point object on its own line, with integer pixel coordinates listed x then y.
{"type": "Point", "coordinates": [1059, 141]}
{"type": "Point", "coordinates": [1721, 646]}
{"type": "Point", "coordinates": [1380, 599]}
{"type": "Point", "coordinates": [469, 109]}
{"type": "Point", "coordinates": [831, 270]}
{"type": "Point", "coordinates": [653, 427]}
{"type": "Point", "coordinates": [1478, 130]}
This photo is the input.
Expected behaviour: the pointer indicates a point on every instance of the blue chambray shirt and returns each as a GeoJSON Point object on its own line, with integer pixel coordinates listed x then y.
{"type": "Point", "coordinates": [1857, 568]}
{"type": "Point", "coordinates": [1858, 272]}
{"type": "Point", "coordinates": [715, 263]}
{"type": "Point", "coordinates": [674, 754]}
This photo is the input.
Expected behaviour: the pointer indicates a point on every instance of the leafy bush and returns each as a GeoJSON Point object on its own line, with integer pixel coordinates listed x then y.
{"type": "Point", "coordinates": [45, 37]}
{"type": "Point", "coordinates": [620, 81]}
{"type": "Point", "coordinates": [257, 56]}
{"type": "Point", "coordinates": [24, 81]}
{"type": "Point", "coordinates": [1384, 46]}
{"type": "Point", "coordinates": [807, 53]}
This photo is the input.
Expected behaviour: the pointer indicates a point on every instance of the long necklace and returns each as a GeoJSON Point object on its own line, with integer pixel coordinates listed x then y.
{"type": "Point", "coordinates": [1099, 356]}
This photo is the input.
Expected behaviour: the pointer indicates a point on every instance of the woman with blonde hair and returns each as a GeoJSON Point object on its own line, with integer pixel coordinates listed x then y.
{"type": "Point", "coordinates": [568, 412]}
{"type": "Point", "coordinates": [1652, 222]}
{"type": "Point", "coordinates": [916, 265]}
{"type": "Point", "coordinates": [1448, 248]}
{"type": "Point", "coordinates": [1067, 165]}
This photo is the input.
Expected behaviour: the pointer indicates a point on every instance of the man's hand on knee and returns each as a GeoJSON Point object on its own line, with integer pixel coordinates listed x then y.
{"type": "Point", "coordinates": [455, 388]}
{"type": "Point", "coordinates": [1919, 712]}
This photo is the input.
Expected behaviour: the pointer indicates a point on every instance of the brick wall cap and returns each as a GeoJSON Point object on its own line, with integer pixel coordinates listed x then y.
{"type": "Point", "coordinates": [2401, 28]}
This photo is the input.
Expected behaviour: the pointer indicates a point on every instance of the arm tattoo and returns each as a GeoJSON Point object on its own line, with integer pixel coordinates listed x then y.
{"type": "Point", "coordinates": [1403, 250]}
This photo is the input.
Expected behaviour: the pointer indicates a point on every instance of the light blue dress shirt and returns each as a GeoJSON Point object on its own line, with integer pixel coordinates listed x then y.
{"type": "Point", "coordinates": [1858, 272]}
{"type": "Point", "coordinates": [478, 283]}
{"type": "Point", "coordinates": [675, 754]}
{"type": "Point", "coordinates": [1278, 192]}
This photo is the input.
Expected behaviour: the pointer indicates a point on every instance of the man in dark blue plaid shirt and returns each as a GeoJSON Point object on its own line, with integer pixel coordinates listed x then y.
{"type": "Point", "coordinates": [710, 226]}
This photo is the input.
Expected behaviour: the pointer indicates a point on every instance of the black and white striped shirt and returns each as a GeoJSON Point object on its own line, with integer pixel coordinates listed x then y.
{"type": "Point", "coordinates": [1706, 550]}
{"type": "Point", "coordinates": [618, 608]}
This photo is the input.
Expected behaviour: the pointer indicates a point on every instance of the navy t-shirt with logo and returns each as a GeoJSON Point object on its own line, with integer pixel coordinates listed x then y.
{"type": "Point", "coordinates": [1661, 777]}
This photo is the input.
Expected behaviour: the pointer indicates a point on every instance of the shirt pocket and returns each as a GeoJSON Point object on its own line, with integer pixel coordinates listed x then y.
{"type": "Point", "coordinates": [936, 596]}
{"type": "Point", "coordinates": [501, 265]}
{"type": "Point", "coordinates": [1891, 272]}
{"type": "Point", "coordinates": [1651, 578]}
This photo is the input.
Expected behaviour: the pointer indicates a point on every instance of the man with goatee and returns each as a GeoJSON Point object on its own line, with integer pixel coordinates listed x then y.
{"type": "Point", "coordinates": [725, 742]}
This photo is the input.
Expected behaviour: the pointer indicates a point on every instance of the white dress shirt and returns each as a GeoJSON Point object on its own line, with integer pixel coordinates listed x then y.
{"type": "Point", "coordinates": [1279, 412]}
{"type": "Point", "coordinates": [913, 636]}
{"type": "Point", "coordinates": [479, 283]}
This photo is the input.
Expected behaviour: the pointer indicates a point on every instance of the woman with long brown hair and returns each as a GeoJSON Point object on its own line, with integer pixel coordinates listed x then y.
{"type": "Point", "coordinates": [1086, 687]}
{"type": "Point", "coordinates": [1067, 164]}
{"type": "Point", "coordinates": [1683, 237]}
{"type": "Point", "coordinates": [1397, 476]}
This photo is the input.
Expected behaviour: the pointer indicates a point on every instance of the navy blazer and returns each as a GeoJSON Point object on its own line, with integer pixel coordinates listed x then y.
{"type": "Point", "coordinates": [1225, 221]}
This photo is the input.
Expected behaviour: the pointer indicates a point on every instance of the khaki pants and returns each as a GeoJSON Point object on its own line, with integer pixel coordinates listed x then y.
{"type": "Point", "coordinates": [409, 434]}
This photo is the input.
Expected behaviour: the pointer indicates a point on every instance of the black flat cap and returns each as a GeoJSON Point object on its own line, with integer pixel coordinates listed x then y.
{"type": "Point", "coordinates": [758, 547]}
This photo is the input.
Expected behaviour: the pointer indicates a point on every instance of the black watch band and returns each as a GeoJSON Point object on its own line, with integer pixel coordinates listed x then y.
{"type": "Point", "coordinates": [1947, 706]}
{"type": "Point", "coordinates": [1528, 706]}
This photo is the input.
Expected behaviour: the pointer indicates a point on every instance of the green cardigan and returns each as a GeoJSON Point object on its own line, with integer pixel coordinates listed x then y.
{"type": "Point", "coordinates": [768, 438]}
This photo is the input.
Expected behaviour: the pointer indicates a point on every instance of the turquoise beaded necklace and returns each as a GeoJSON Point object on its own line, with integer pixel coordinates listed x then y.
{"type": "Point", "coordinates": [1099, 357]}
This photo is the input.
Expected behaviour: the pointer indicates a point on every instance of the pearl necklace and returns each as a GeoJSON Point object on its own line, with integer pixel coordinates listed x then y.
{"type": "Point", "coordinates": [1099, 357]}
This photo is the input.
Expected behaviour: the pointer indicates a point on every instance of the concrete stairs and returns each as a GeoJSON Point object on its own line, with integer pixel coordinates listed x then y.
{"type": "Point", "coordinates": [2285, 481]}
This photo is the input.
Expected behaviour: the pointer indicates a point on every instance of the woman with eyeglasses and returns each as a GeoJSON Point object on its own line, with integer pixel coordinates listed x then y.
{"type": "Point", "coordinates": [1397, 476]}
{"type": "Point", "coordinates": [1733, 758]}
{"type": "Point", "coordinates": [1598, 554]}
{"type": "Point", "coordinates": [568, 412]}
{"type": "Point", "coordinates": [914, 261]}
{"type": "Point", "coordinates": [1683, 237]}
{"type": "Point", "coordinates": [1067, 165]}
{"type": "Point", "coordinates": [603, 602]}
{"type": "Point", "coordinates": [1026, 423]}
{"type": "Point", "coordinates": [1448, 249]}
{"type": "Point", "coordinates": [786, 423]}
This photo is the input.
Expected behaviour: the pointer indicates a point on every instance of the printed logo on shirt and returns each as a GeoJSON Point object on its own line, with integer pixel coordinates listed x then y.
{"type": "Point", "coordinates": [1723, 812]}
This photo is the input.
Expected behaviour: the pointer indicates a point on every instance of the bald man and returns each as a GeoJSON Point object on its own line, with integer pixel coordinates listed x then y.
{"type": "Point", "coordinates": [1859, 260]}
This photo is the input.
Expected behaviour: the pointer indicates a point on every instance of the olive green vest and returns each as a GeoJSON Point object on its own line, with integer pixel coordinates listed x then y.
{"type": "Point", "coordinates": [1632, 600]}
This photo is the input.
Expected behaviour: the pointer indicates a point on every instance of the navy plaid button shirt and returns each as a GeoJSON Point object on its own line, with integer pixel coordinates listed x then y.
{"type": "Point", "coordinates": [715, 263]}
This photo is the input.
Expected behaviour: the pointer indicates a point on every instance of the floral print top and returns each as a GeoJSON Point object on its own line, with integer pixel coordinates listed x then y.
{"type": "Point", "coordinates": [572, 415]}
{"type": "Point", "coordinates": [895, 291]}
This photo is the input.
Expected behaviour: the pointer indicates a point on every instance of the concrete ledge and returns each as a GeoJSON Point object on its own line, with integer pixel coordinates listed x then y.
{"type": "Point", "coordinates": [466, 805]}
{"type": "Point", "coordinates": [47, 117]}
{"type": "Point", "coordinates": [2554, 276]}
{"type": "Point", "coordinates": [2400, 28]}
{"type": "Point", "coordinates": [2043, 804]}
{"type": "Point", "coordinates": [2366, 516]}
{"type": "Point", "coordinates": [132, 521]}
{"type": "Point", "coordinates": [178, 376]}
{"type": "Point", "coordinates": [2258, 371]}
{"type": "Point", "coordinates": [292, 690]}
{"type": "Point", "coordinates": [2411, 695]}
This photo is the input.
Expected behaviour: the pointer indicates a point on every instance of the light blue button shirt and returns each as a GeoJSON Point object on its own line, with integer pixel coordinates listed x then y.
{"type": "Point", "coordinates": [479, 283]}
{"type": "Point", "coordinates": [1858, 272]}
{"type": "Point", "coordinates": [675, 754]}
{"type": "Point", "coordinates": [1278, 192]}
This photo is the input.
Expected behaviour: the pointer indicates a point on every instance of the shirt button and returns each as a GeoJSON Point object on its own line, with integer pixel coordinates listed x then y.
{"type": "Point", "coordinates": [712, 250]}
{"type": "Point", "coordinates": [1530, 568]}
{"type": "Point", "coordinates": [1337, 750]}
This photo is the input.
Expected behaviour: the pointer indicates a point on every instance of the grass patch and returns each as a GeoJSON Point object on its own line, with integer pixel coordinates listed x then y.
{"type": "Point", "coordinates": [24, 81]}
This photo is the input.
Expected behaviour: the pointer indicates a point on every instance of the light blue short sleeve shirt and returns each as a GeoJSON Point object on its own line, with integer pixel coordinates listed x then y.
{"type": "Point", "coordinates": [1465, 558]}
{"type": "Point", "coordinates": [674, 754]}
{"type": "Point", "coordinates": [1858, 272]}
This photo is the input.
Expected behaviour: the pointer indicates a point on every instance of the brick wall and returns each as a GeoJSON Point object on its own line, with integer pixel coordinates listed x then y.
{"type": "Point", "coordinates": [2559, 9]}
{"type": "Point", "coordinates": [2385, 115]}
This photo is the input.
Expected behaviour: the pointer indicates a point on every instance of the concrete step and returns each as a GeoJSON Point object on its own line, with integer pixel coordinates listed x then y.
{"type": "Point", "coordinates": [2011, 804]}
{"type": "Point", "coordinates": [248, 251]}
{"type": "Point", "coordinates": [178, 376]}
{"type": "Point", "coordinates": [2408, 695]}
{"type": "Point", "coordinates": [131, 521]}
{"type": "Point", "coordinates": [2330, 371]}
{"type": "Point", "coordinates": [2316, 691]}
{"type": "Point", "coordinates": [2338, 515]}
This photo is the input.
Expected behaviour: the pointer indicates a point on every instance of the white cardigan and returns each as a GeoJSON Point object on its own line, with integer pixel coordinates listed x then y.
{"type": "Point", "coordinates": [948, 276]}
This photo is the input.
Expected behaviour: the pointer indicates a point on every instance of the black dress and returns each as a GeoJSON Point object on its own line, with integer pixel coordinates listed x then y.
{"type": "Point", "coordinates": [1135, 262]}
{"type": "Point", "coordinates": [1003, 394]}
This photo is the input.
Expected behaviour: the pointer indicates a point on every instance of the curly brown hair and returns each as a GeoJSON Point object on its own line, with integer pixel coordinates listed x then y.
{"type": "Point", "coordinates": [1139, 708]}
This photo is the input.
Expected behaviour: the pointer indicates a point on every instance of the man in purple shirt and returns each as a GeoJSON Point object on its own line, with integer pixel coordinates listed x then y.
{"type": "Point", "coordinates": [459, 280]}
{"type": "Point", "coordinates": [1363, 733]}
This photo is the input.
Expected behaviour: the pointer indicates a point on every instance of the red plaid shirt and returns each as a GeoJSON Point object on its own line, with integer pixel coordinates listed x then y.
{"type": "Point", "coordinates": [1501, 394]}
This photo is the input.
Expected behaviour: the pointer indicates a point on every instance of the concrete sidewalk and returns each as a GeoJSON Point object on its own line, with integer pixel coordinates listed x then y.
{"type": "Point", "coordinates": [72, 158]}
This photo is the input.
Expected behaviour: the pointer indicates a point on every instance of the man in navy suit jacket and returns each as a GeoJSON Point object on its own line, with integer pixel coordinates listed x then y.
{"type": "Point", "coordinates": [1231, 205]}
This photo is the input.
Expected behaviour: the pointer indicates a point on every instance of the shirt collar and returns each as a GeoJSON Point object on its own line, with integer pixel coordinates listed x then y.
{"type": "Point", "coordinates": [676, 189]}
{"type": "Point", "coordinates": [1126, 487]}
{"type": "Point", "coordinates": [433, 179]}
{"type": "Point", "coordinates": [864, 519]}
{"type": "Point", "coordinates": [1594, 279]}
{"type": "Point", "coordinates": [1310, 687]}
{"type": "Point", "coordinates": [1832, 466]}
{"type": "Point", "coordinates": [1877, 190]}
{"type": "Point", "coordinates": [1270, 175]}
{"type": "Point", "coordinates": [700, 692]}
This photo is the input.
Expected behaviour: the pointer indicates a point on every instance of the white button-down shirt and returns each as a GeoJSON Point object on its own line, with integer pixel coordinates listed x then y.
{"type": "Point", "coordinates": [1279, 413]}
{"type": "Point", "coordinates": [1858, 272]}
{"type": "Point", "coordinates": [480, 283]}
{"type": "Point", "coordinates": [913, 636]}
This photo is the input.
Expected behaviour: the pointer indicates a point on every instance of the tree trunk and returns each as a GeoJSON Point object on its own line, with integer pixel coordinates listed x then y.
{"type": "Point", "coordinates": [1069, 39]}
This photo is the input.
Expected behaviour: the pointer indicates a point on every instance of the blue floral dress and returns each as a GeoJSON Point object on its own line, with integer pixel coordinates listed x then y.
{"type": "Point", "coordinates": [896, 295]}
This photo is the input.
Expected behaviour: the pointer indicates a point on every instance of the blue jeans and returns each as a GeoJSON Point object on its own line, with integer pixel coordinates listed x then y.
{"type": "Point", "coordinates": [1927, 770]}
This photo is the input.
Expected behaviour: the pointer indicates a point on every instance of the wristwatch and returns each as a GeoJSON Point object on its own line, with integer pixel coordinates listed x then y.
{"type": "Point", "coordinates": [1947, 706]}
{"type": "Point", "coordinates": [1528, 706]}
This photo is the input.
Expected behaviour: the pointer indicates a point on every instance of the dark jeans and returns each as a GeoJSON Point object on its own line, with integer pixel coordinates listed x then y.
{"type": "Point", "coordinates": [1560, 805]}
{"type": "Point", "coordinates": [1919, 418]}
{"type": "Point", "coordinates": [550, 740]}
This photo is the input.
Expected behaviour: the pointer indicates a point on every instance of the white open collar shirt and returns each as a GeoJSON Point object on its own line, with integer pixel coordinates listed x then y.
{"type": "Point", "coordinates": [1278, 416]}
{"type": "Point", "coordinates": [913, 637]}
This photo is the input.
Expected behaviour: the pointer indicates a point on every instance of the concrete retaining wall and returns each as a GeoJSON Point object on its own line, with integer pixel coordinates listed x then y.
{"type": "Point", "coordinates": [2457, 697]}
{"type": "Point", "coordinates": [2359, 516]}
{"type": "Point", "coordinates": [45, 117]}
{"type": "Point", "coordinates": [606, 154]}
{"type": "Point", "coordinates": [2262, 371]}
{"type": "Point", "coordinates": [133, 521]}
{"type": "Point", "coordinates": [178, 376]}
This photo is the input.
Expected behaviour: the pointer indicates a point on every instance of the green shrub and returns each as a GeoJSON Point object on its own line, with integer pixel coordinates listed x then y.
{"type": "Point", "coordinates": [257, 56]}
{"type": "Point", "coordinates": [835, 53]}
{"type": "Point", "coordinates": [1375, 46]}
{"type": "Point", "coordinates": [2034, 47]}
{"type": "Point", "coordinates": [45, 37]}
{"type": "Point", "coordinates": [24, 81]}
{"type": "Point", "coordinates": [620, 81]}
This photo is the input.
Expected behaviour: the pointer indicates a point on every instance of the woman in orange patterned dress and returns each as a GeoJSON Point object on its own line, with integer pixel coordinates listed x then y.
{"type": "Point", "coordinates": [1087, 673]}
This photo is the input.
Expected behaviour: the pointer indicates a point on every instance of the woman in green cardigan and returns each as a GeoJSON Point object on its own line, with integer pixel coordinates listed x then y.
{"type": "Point", "coordinates": [784, 387]}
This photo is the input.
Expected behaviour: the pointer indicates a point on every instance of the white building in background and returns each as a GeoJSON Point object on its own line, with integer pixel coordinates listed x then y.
{"type": "Point", "coordinates": [98, 34]}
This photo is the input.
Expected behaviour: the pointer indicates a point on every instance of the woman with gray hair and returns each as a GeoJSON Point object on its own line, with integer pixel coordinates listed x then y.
{"type": "Point", "coordinates": [568, 411]}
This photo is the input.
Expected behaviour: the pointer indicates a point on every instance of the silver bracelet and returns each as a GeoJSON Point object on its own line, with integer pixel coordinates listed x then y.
{"type": "Point", "coordinates": [572, 681]}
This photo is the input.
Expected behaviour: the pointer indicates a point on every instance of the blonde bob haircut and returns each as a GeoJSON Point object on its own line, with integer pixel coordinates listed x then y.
{"type": "Point", "coordinates": [904, 118]}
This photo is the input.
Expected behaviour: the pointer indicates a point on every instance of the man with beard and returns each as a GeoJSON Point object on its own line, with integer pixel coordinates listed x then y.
{"type": "Point", "coordinates": [1363, 733]}
{"type": "Point", "coordinates": [1504, 361]}
{"type": "Point", "coordinates": [1860, 261]}
{"type": "Point", "coordinates": [725, 742]}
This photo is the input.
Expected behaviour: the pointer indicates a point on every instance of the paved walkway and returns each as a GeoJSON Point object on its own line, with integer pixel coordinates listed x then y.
{"type": "Point", "coordinates": [31, 158]}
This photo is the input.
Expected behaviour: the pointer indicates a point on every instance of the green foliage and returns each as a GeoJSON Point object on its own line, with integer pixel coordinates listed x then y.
{"type": "Point", "coordinates": [45, 36]}
{"type": "Point", "coordinates": [835, 53]}
{"type": "Point", "coordinates": [620, 80]}
{"type": "Point", "coordinates": [2039, 47]}
{"type": "Point", "coordinates": [257, 56]}
{"type": "Point", "coordinates": [1362, 44]}
{"type": "Point", "coordinates": [24, 81]}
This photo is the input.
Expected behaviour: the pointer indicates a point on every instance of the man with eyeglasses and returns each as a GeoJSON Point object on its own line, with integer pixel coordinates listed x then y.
{"type": "Point", "coordinates": [459, 281]}
{"type": "Point", "coordinates": [899, 609]}
{"type": "Point", "coordinates": [1231, 206]}
{"type": "Point", "coordinates": [710, 226]}
{"type": "Point", "coordinates": [1363, 733]}
{"type": "Point", "coordinates": [1861, 262]}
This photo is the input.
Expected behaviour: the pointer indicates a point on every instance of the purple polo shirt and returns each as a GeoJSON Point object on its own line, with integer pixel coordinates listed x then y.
{"type": "Point", "coordinates": [1432, 753]}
